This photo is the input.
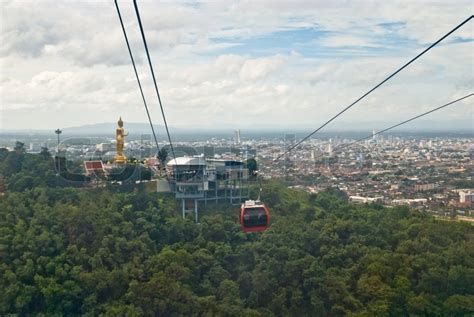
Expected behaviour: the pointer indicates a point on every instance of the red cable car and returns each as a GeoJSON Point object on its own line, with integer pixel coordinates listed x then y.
{"type": "Point", "coordinates": [254, 216]}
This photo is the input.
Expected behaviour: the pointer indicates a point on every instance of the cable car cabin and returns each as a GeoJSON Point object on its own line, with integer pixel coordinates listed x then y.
{"type": "Point", "coordinates": [254, 216]}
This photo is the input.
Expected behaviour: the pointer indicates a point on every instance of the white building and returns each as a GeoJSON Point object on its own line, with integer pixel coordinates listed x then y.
{"type": "Point", "coordinates": [237, 139]}
{"type": "Point", "coordinates": [466, 197]}
{"type": "Point", "coordinates": [329, 150]}
{"type": "Point", "coordinates": [410, 202]}
{"type": "Point", "coordinates": [365, 200]}
{"type": "Point", "coordinates": [104, 147]}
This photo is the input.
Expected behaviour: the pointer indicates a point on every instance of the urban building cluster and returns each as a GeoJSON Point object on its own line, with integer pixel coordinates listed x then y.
{"type": "Point", "coordinates": [435, 174]}
{"type": "Point", "coordinates": [431, 173]}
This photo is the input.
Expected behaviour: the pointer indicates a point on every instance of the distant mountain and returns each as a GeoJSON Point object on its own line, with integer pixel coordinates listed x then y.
{"type": "Point", "coordinates": [139, 128]}
{"type": "Point", "coordinates": [107, 128]}
{"type": "Point", "coordinates": [95, 129]}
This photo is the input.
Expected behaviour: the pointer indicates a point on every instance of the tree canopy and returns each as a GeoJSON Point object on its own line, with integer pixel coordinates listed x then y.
{"type": "Point", "coordinates": [73, 251]}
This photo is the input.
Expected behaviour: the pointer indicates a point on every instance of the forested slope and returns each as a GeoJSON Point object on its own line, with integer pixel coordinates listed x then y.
{"type": "Point", "coordinates": [76, 251]}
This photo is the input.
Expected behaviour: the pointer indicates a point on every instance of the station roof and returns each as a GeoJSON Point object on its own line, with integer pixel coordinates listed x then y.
{"type": "Point", "coordinates": [184, 160]}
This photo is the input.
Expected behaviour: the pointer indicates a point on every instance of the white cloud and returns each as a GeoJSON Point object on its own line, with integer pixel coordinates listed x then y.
{"type": "Point", "coordinates": [67, 62]}
{"type": "Point", "coordinates": [260, 68]}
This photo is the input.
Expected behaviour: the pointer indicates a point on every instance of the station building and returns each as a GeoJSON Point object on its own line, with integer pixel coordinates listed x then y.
{"type": "Point", "coordinates": [196, 180]}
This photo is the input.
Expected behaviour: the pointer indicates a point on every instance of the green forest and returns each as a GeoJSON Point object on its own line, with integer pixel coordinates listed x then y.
{"type": "Point", "coordinates": [106, 251]}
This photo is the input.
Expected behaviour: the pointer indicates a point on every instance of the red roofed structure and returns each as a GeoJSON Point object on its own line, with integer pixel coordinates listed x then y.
{"type": "Point", "coordinates": [93, 166]}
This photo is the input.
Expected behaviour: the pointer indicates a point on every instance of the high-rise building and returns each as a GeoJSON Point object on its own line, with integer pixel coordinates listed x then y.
{"type": "Point", "coordinates": [330, 149]}
{"type": "Point", "coordinates": [237, 139]}
{"type": "Point", "coordinates": [360, 159]}
{"type": "Point", "coordinates": [290, 139]}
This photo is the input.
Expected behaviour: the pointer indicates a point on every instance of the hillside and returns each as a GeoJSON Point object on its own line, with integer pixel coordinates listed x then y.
{"type": "Point", "coordinates": [74, 251]}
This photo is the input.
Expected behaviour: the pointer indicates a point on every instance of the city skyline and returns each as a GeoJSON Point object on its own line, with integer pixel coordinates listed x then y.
{"type": "Point", "coordinates": [240, 65]}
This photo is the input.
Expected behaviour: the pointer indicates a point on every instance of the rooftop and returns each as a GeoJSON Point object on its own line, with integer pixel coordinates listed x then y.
{"type": "Point", "coordinates": [184, 160]}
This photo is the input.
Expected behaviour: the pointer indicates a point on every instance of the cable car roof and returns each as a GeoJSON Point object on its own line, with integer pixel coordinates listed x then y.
{"type": "Point", "coordinates": [252, 203]}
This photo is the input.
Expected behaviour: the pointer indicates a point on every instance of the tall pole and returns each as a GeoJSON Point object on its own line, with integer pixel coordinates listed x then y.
{"type": "Point", "coordinates": [58, 132]}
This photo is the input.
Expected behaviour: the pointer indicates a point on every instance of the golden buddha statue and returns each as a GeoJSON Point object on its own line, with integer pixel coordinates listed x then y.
{"type": "Point", "coordinates": [120, 137]}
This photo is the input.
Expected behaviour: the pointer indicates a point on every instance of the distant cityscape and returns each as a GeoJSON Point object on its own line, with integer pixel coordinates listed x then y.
{"type": "Point", "coordinates": [430, 172]}
{"type": "Point", "coordinates": [427, 173]}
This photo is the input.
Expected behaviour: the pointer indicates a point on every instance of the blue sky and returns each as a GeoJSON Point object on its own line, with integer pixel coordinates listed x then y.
{"type": "Point", "coordinates": [309, 43]}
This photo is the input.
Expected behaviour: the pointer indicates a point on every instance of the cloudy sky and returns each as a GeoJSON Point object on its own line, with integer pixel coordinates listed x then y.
{"type": "Point", "coordinates": [233, 64]}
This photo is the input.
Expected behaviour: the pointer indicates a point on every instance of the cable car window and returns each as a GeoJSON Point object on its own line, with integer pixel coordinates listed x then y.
{"type": "Point", "coordinates": [255, 217]}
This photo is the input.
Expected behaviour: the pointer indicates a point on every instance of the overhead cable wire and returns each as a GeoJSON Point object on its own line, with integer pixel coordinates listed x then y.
{"type": "Point", "coordinates": [374, 88]}
{"type": "Point", "coordinates": [138, 77]}
{"type": "Point", "coordinates": [153, 76]}
{"type": "Point", "coordinates": [343, 146]}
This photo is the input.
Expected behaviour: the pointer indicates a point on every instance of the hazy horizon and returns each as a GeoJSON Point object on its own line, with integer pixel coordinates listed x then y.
{"type": "Point", "coordinates": [143, 127]}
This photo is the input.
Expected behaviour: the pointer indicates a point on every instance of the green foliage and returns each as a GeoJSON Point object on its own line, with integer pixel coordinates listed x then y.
{"type": "Point", "coordinates": [252, 166]}
{"type": "Point", "coordinates": [19, 147]}
{"type": "Point", "coordinates": [129, 173]}
{"type": "Point", "coordinates": [21, 171]}
{"type": "Point", "coordinates": [96, 252]}
{"type": "Point", "coordinates": [163, 155]}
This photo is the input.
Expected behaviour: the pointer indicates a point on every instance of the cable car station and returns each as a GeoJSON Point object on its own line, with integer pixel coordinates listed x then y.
{"type": "Point", "coordinates": [199, 179]}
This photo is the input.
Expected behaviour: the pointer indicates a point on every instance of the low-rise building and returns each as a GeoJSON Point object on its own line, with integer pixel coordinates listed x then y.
{"type": "Point", "coordinates": [466, 196]}
{"type": "Point", "coordinates": [364, 200]}
{"type": "Point", "coordinates": [104, 147]}
{"type": "Point", "coordinates": [410, 202]}
{"type": "Point", "coordinates": [424, 187]}
{"type": "Point", "coordinates": [92, 167]}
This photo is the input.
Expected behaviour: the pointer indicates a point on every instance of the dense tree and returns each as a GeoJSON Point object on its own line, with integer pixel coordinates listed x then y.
{"type": "Point", "coordinates": [98, 251]}
{"type": "Point", "coordinates": [19, 147]}
{"type": "Point", "coordinates": [251, 164]}
{"type": "Point", "coordinates": [45, 154]}
{"type": "Point", "coordinates": [163, 155]}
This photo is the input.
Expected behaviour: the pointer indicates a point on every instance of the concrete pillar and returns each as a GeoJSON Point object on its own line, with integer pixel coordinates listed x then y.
{"type": "Point", "coordinates": [183, 204]}
{"type": "Point", "coordinates": [196, 211]}
{"type": "Point", "coordinates": [240, 190]}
